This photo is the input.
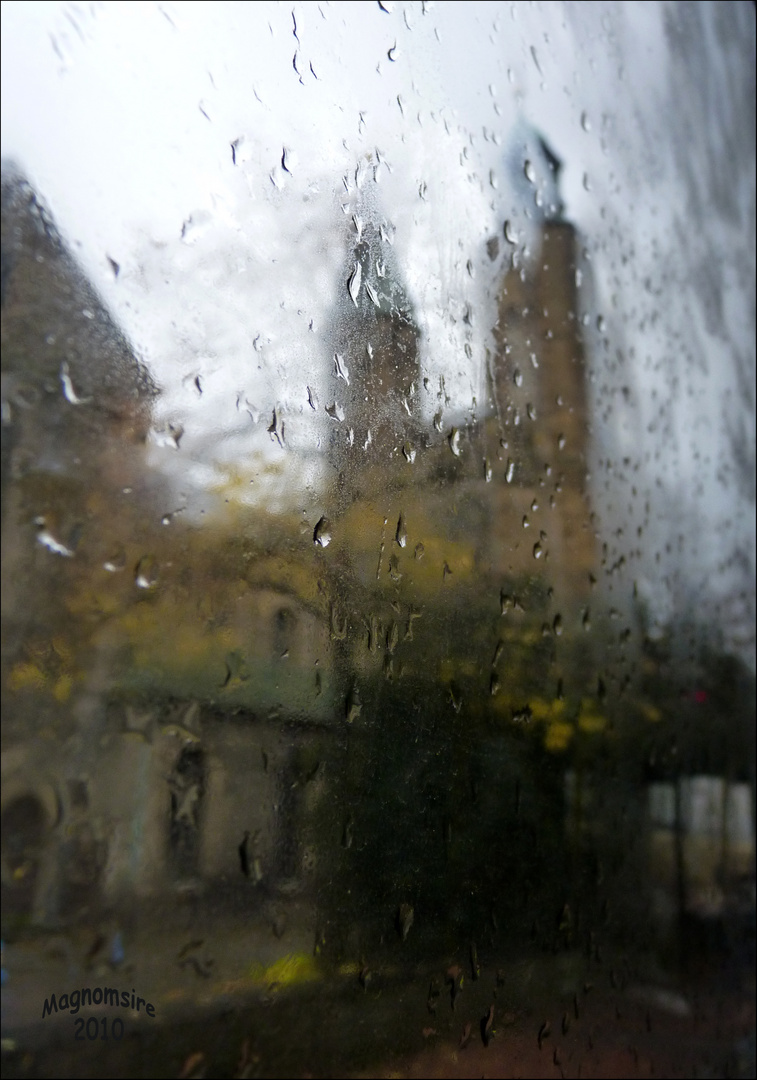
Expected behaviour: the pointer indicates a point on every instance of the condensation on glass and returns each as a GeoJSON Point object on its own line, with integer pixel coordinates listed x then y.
{"type": "Point", "coordinates": [378, 427]}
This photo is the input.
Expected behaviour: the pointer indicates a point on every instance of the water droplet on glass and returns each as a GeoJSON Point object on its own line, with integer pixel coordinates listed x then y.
{"type": "Point", "coordinates": [146, 573]}
{"type": "Point", "coordinates": [340, 368]}
{"type": "Point", "coordinates": [47, 540]}
{"type": "Point", "coordinates": [374, 630]}
{"type": "Point", "coordinates": [455, 978]}
{"type": "Point", "coordinates": [386, 232]}
{"type": "Point", "coordinates": [335, 411]}
{"type": "Point", "coordinates": [557, 625]}
{"type": "Point", "coordinates": [510, 471]}
{"type": "Point", "coordinates": [413, 614]}
{"type": "Point", "coordinates": [393, 53]}
{"type": "Point", "coordinates": [561, 442]}
{"type": "Point", "coordinates": [494, 685]}
{"type": "Point", "coordinates": [353, 284]}
{"type": "Point", "coordinates": [169, 436]}
{"type": "Point", "coordinates": [454, 442]}
{"type": "Point", "coordinates": [195, 227]}
{"type": "Point", "coordinates": [438, 420]}
{"type": "Point", "coordinates": [312, 398]}
{"type": "Point", "coordinates": [510, 234]}
{"type": "Point", "coordinates": [116, 562]}
{"type": "Point", "coordinates": [601, 324]}
{"type": "Point", "coordinates": [487, 470]}
{"type": "Point", "coordinates": [523, 715]}
{"type": "Point", "coordinates": [405, 917]}
{"type": "Point", "coordinates": [518, 377]}
{"type": "Point", "coordinates": [525, 523]}
{"type": "Point", "coordinates": [487, 1026]}
{"type": "Point", "coordinates": [409, 452]}
{"type": "Point", "coordinates": [276, 427]}
{"type": "Point", "coordinates": [530, 172]}
{"type": "Point", "coordinates": [68, 388]}
{"type": "Point", "coordinates": [338, 626]}
{"type": "Point", "coordinates": [538, 550]}
{"type": "Point", "coordinates": [353, 705]}
{"type": "Point", "coordinates": [322, 533]}
{"type": "Point", "coordinates": [530, 411]}
{"type": "Point", "coordinates": [585, 122]}
{"type": "Point", "coordinates": [401, 534]}
{"type": "Point", "coordinates": [420, 551]}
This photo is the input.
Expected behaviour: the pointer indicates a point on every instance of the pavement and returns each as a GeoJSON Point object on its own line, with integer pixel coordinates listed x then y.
{"type": "Point", "coordinates": [253, 1003]}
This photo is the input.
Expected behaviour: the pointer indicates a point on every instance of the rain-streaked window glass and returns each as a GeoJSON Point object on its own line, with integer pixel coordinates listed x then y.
{"type": "Point", "coordinates": [378, 539]}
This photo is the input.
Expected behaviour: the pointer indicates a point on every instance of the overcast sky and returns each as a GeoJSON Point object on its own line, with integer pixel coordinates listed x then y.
{"type": "Point", "coordinates": [122, 115]}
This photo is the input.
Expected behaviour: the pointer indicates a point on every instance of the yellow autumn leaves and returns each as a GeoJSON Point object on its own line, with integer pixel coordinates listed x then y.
{"type": "Point", "coordinates": [48, 666]}
{"type": "Point", "coordinates": [559, 731]}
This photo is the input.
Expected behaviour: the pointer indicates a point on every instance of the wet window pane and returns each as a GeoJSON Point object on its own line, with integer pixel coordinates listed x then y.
{"type": "Point", "coordinates": [378, 456]}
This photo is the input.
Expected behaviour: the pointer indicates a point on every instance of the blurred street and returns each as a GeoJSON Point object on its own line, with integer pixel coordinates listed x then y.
{"type": "Point", "coordinates": [543, 1015]}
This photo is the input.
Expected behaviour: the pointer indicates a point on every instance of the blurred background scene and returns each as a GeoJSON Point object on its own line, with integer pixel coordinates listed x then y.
{"type": "Point", "coordinates": [378, 538]}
